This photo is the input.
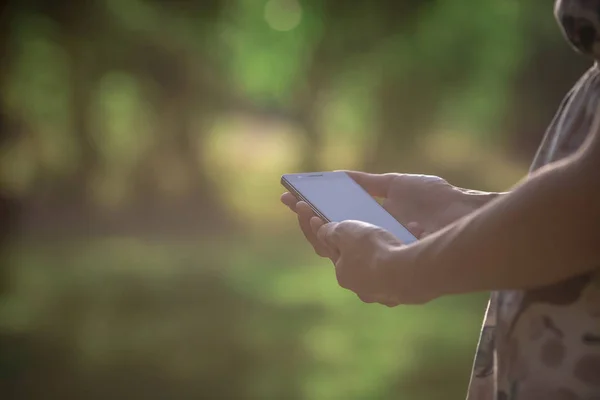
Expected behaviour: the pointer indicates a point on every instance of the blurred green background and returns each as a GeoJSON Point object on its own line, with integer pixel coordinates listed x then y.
{"type": "Point", "coordinates": [145, 253]}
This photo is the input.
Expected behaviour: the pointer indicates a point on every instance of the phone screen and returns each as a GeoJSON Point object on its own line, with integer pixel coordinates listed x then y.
{"type": "Point", "coordinates": [338, 198]}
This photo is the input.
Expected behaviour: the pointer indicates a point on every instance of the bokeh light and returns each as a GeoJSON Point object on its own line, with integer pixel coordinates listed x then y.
{"type": "Point", "coordinates": [283, 15]}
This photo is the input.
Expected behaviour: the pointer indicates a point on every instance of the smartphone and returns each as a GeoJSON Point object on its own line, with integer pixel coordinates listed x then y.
{"type": "Point", "coordinates": [336, 197]}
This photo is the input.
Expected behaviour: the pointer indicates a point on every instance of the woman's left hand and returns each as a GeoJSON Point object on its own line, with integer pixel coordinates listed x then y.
{"type": "Point", "coordinates": [370, 262]}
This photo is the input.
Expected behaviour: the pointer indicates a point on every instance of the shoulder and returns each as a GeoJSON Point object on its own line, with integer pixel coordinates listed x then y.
{"type": "Point", "coordinates": [572, 120]}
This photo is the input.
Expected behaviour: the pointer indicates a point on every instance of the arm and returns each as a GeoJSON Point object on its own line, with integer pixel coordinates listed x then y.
{"type": "Point", "coordinates": [424, 203]}
{"type": "Point", "coordinates": [454, 207]}
{"type": "Point", "coordinates": [427, 200]}
{"type": "Point", "coordinates": [545, 230]}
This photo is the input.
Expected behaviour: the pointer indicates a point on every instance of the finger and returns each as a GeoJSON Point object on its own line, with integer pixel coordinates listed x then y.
{"type": "Point", "coordinates": [304, 211]}
{"type": "Point", "coordinates": [377, 185]}
{"type": "Point", "coordinates": [327, 234]}
{"type": "Point", "coordinates": [383, 300]}
{"type": "Point", "coordinates": [305, 214]}
{"type": "Point", "coordinates": [416, 229]}
{"type": "Point", "coordinates": [388, 303]}
{"type": "Point", "coordinates": [319, 248]}
{"type": "Point", "coordinates": [341, 275]}
{"type": "Point", "coordinates": [367, 299]}
{"type": "Point", "coordinates": [333, 253]}
{"type": "Point", "coordinates": [289, 200]}
{"type": "Point", "coordinates": [315, 224]}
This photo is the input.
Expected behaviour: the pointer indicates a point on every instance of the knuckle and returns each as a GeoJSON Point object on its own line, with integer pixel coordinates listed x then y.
{"type": "Point", "coordinates": [381, 261]}
{"type": "Point", "coordinates": [393, 175]}
{"type": "Point", "coordinates": [343, 283]}
{"type": "Point", "coordinates": [400, 179]}
{"type": "Point", "coordinates": [343, 279]}
{"type": "Point", "coordinates": [320, 252]}
{"type": "Point", "coordinates": [342, 226]}
{"type": "Point", "coordinates": [389, 301]}
{"type": "Point", "coordinates": [366, 298]}
{"type": "Point", "coordinates": [368, 234]}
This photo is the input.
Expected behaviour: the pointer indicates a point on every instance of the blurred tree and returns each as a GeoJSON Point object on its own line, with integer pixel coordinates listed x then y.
{"type": "Point", "coordinates": [360, 81]}
{"type": "Point", "coordinates": [163, 60]}
{"type": "Point", "coordinates": [9, 205]}
{"type": "Point", "coordinates": [549, 69]}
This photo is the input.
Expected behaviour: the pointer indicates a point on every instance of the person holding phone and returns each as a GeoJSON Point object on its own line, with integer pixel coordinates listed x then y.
{"type": "Point", "coordinates": [536, 248]}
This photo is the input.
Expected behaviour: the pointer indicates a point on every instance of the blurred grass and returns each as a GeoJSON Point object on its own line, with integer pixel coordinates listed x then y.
{"type": "Point", "coordinates": [182, 305]}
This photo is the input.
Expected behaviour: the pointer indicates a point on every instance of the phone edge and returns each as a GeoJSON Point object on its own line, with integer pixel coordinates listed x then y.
{"type": "Point", "coordinates": [286, 184]}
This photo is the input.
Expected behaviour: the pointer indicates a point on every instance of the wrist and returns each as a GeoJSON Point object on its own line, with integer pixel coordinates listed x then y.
{"type": "Point", "coordinates": [414, 274]}
{"type": "Point", "coordinates": [462, 203]}
{"type": "Point", "coordinates": [477, 199]}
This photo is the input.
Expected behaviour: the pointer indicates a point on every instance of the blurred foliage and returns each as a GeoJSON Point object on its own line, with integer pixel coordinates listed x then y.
{"type": "Point", "coordinates": [141, 144]}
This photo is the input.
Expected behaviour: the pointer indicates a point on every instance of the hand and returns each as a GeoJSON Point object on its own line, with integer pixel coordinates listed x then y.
{"type": "Point", "coordinates": [423, 203]}
{"type": "Point", "coordinates": [426, 202]}
{"type": "Point", "coordinates": [367, 262]}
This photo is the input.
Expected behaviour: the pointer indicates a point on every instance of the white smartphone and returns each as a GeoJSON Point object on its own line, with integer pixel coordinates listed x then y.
{"type": "Point", "coordinates": [335, 197]}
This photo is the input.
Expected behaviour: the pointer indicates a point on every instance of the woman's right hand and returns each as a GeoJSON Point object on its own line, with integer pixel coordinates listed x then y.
{"type": "Point", "coordinates": [423, 203]}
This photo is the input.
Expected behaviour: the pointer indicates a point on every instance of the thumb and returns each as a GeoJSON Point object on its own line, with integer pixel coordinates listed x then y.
{"type": "Point", "coordinates": [327, 235]}
{"type": "Point", "coordinates": [416, 229]}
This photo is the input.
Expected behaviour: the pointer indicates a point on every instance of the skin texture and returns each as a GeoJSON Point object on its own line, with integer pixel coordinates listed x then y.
{"type": "Point", "coordinates": [524, 239]}
{"type": "Point", "coordinates": [423, 203]}
{"type": "Point", "coordinates": [545, 231]}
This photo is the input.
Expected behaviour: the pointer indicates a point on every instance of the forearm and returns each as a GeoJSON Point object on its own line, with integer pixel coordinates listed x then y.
{"type": "Point", "coordinates": [465, 203]}
{"type": "Point", "coordinates": [546, 230]}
